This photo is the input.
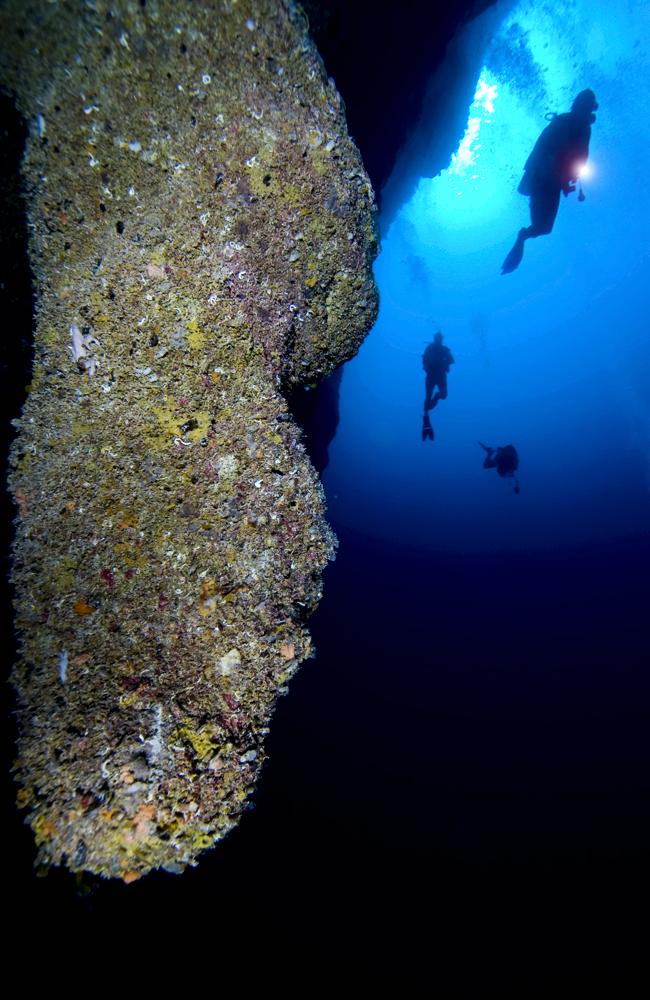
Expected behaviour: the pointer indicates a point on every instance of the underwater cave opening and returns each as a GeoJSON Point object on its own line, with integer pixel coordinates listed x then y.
{"type": "Point", "coordinates": [553, 357]}
{"type": "Point", "coordinates": [484, 652]}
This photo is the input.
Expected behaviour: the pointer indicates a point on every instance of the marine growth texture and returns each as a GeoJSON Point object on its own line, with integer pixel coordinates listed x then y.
{"type": "Point", "coordinates": [202, 233]}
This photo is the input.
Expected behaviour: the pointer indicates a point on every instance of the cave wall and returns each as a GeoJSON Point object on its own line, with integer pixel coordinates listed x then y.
{"type": "Point", "coordinates": [201, 238]}
{"type": "Point", "coordinates": [407, 74]}
{"type": "Point", "coordinates": [383, 56]}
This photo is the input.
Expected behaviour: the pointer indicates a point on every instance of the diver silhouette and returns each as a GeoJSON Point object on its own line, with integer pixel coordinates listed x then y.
{"type": "Point", "coordinates": [504, 459]}
{"type": "Point", "coordinates": [436, 361]}
{"type": "Point", "coordinates": [553, 167]}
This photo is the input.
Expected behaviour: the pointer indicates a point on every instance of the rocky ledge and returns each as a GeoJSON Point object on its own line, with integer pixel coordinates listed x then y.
{"type": "Point", "coordinates": [202, 234]}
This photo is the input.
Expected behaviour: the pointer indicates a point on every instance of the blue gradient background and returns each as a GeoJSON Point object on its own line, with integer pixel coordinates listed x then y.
{"type": "Point", "coordinates": [553, 358]}
{"type": "Point", "coordinates": [473, 734]}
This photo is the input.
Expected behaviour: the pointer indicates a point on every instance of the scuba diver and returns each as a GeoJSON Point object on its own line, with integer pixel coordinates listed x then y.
{"type": "Point", "coordinates": [436, 361]}
{"type": "Point", "coordinates": [553, 167]}
{"type": "Point", "coordinates": [504, 459]}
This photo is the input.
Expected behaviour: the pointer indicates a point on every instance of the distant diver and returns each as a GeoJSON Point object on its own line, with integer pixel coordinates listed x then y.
{"type": "Point", "coordinates": [553, 167]}
{"type": "Point", "coordinates": [504, 459]}
{"type": "Point", "coordinates": [436, 361]}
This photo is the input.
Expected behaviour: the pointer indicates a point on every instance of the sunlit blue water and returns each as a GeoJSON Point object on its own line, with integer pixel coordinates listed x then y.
{"type": "Point", "coordinates": [554, 358]}
{"type": "Point", "coordinates": [478, 711]}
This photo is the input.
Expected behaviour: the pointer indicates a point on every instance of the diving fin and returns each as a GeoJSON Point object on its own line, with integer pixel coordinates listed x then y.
{"type": "Point", "coordinates": [513, 260]}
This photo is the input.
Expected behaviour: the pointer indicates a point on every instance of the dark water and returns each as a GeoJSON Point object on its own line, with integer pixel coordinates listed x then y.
{"type": "Point", "coordinates": [471, 743]}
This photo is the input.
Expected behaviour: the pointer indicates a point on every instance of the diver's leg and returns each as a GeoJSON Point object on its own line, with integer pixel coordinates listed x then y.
{"type": "Point", "coordinates": [442, 387]}
{"type": "Point", "coordinates": [489, 462]}
{"type": "Point", "coordinates": [441, 382]}
{"type": "Point", "coordinates": [429, 384]}
{"type": "Point", "coordinates": [544, 204]}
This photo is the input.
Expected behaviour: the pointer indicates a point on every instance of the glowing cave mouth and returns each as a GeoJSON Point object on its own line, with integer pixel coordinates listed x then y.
{"type": "Point", "coordinates": [486, 126]}
{"type": "Point", "coordinates": [555, 357]}
{"type": "Point", "coordinates": [464, 161]}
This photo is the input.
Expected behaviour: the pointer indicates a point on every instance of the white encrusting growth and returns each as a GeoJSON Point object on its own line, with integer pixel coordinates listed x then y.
{"type": "Point", "coordinates": [81, 349]}
{"type": "Point", "coordinates": [153, 745]}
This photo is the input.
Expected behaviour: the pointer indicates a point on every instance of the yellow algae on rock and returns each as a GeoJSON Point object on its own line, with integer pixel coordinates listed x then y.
{"type": "Point", "coordinates": [195, 338]}
{"type": "Point", "coordinates": [171, 533]}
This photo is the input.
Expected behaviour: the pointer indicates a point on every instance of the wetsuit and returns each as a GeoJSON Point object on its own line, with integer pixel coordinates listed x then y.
{"type": "Point", "coordinates": [552, 167]}
{"type": "Point", "coordinates": [504, 459]}
{"type": "Point", "coordinates": [437, 360]}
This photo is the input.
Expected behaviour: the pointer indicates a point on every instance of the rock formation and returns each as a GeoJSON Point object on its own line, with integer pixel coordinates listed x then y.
{"type": "Point", "coordinates": [202, 234]}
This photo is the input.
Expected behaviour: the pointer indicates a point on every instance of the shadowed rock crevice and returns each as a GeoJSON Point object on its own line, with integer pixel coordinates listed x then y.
{"type": "Point", "coordinates": [382, 57]}
{"type": "Point", "coordinates": [316, 409]}
{"type": "Point", "coordinates": [16, 354]}
{"type": "Point", "coordinates": [407, 74]}
{"type": "Point", "coordinates": [16, 299]}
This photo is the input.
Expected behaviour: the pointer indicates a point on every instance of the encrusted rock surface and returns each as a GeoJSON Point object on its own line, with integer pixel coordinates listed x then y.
{"type": "Point", "coordinates": [202, 233]}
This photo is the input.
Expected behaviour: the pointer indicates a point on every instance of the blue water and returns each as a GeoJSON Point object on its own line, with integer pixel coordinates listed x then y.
{"type": "Point", "coordinates": [477, 717]}
{"type": "Point", "coordinates": [554, 358]}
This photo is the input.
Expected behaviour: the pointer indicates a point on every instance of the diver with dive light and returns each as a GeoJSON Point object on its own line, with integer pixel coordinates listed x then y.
{"type": "Point", "coordinates": [552, 168]}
